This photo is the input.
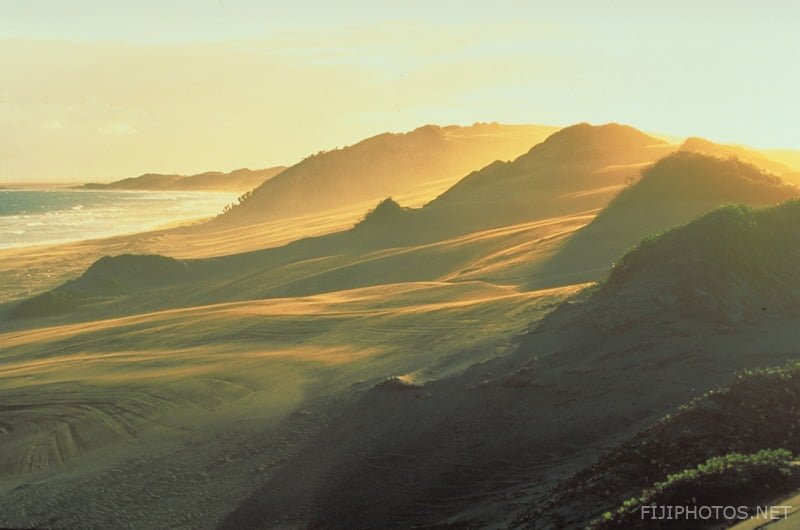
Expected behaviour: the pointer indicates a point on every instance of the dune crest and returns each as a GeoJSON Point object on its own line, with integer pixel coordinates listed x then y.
{"type": "Point", "coordinates": [383, 165]}
{"type": "Point", "coordinates": [675, 190]}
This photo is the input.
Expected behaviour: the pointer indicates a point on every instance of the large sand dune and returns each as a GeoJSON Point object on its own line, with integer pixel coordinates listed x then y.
{"type": "Point", "coordinates": [381, 166]}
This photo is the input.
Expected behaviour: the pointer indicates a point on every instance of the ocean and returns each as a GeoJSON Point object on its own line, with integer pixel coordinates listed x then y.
{"type": "Point", "coordinates": [33, 217]}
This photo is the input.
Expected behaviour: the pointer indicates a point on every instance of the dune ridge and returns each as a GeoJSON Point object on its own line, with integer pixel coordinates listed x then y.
{"type": "Point", "coordinates": [674, 191]}
{"type": "Point", "coordinates": [381, 166]}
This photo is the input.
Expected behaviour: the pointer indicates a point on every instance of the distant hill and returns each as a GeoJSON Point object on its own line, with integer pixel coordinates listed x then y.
{"type": "Point", "coordinates": [674, 191]}
{"type": "Point", "coordinates": [239, 180]}
{"type": "Point", "coordinates": [381, 166]}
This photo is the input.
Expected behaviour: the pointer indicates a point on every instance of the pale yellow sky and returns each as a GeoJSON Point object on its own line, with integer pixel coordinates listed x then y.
{"type": "Point", "coordinates": [108, 90]}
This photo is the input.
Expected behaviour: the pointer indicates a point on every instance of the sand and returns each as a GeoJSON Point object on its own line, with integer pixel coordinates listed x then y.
{"type": "Point", "coordinates": [172, 417]}
{"type": "Point", "coordinates": [162, 420]}
{"type": "Point", "coordinates": [29, 270]}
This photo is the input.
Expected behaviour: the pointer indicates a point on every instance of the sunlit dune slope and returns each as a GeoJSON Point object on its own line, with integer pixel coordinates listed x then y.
{"type": "Point", "coordinates": [533, 205]}
{"type": "Point", "coordinates": [360, 257]}
{"type": "Point", "coordinates": [752, 156]}
{"type": "Point", "coordinates": [788, 157]}
{"type": "Point", "coordinates": [568, 175]}
{"type": "Point", "coordinates": [782, 162]}
{"type": "Point", "coordinates": [30, 270]}
{"type": "Point", "coordinates": [578, 168]}
{"type": "Point", "coordinates": [577, 148]}
{"type": "Point", "coordinates": [381, 166]}
{"type": "Point", "coordinates": [672, 192]}
{"type": "Point", "coordinates": [333, 191]}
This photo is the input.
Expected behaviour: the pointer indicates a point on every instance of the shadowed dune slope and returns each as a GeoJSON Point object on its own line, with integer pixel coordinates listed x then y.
{"type": "Point", "coordinates": [384, 165]}
{"type": "Point", "coordinates": [759, 410]}
{"type": "Point", "coordinates": [237, 180]}
{"type": "Point", "coordinates": [732, 265]}
{"type": "Point", "coordinates": [674, 191]}
{"type": "Point", "coordinates": [478, 449]}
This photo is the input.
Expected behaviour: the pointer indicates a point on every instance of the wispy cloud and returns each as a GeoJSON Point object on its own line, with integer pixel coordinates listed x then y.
{"type": "Point", "coordinates": [117, 128]}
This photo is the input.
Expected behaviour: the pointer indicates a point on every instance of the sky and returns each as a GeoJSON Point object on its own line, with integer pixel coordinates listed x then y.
{"type": "Point", "coordinates": [99, 90]}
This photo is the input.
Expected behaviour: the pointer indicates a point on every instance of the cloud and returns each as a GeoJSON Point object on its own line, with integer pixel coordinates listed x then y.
{"type": "Point", "coordinates": [132, 108]}
{"type": "Point", "coordinates": [192, 106]}
{"type": "Point", "coordinates": [117, 128]}
{"type": "Point", "coordinates": [53, 125]}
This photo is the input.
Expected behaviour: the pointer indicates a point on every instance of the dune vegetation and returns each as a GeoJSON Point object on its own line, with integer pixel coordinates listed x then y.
{"type": "Point", "coordinates": [729, 442]}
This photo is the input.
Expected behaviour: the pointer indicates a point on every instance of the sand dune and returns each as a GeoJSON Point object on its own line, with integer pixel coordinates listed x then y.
{"type": "Point", "coordinates": [547, 182]}
{"type": "Point", "coordinates": [578, 168]}
{"type": "Point", "coordinates": [129, 284]}
{"type": "Point", "coordinates": [571, 172]}
{"type": "Point", "coordinates": [577, 151]}
{"type": "Point", "coordinates": [674, 191]}
{"type": "Point", "coordinates": [381, 166]}
{"type": "Point", "coordinates": [31, 270]}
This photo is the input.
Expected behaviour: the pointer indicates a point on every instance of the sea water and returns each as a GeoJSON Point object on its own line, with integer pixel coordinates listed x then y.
{"type": "Point", "coordinates": [32, 217]}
